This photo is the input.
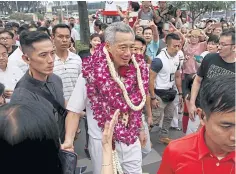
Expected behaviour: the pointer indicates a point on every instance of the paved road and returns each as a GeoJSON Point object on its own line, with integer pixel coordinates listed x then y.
{"type": "Point", "coordinates": [151, 162]}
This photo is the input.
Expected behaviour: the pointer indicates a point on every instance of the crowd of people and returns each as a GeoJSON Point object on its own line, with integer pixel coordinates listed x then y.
{"type": "Point", "coordinates": [150, 69]}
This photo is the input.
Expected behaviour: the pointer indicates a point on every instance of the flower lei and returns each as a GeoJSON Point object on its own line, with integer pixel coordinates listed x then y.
{"type": "Point", "coordinates": [106, 96]}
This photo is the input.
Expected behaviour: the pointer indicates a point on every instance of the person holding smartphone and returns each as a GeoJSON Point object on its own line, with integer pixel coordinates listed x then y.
{"type": "Point", "coordinates": [131, 14]}
{"type": "Point", "coordinates": [151, 37]}
{"type": "Point", "coordinates": [147, 12]}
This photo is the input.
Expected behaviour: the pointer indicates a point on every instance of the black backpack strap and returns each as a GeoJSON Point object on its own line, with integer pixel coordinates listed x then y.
{"type": "Point", "coordinates": [48, 96]}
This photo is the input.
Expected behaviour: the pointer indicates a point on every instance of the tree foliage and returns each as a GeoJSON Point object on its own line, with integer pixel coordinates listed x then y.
{"type": "Point", "coordinates": [8, 7]}
{"type": "Point", "coordinates": [21, 16]}
{"type": "Point", "coordinates": [198, 8]}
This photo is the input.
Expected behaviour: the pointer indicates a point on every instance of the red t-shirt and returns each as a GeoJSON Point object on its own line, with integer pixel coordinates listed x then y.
{"type": "Point", "coordinates": [132, 21]}
{"type": "Point", "coordinates": [191, 155]}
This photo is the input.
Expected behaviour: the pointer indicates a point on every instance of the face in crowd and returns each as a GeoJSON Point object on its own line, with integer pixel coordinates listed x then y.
{"type": "Point", "coordinates": [95, 41]}
{"type": "Point", "coordinates": [139, 31]}
{"type": "Point", "coordinates": [226, 46]}
{"type": "Point", "coordinates": [224, 26]}
{"type": "Point", "coordinates": [121, 50]}
{"type": "Point", "coordinates": [217, 31]}
{"type": "Point", "coordinates": [6, 39]}
{"type": "Point", "coordinates": [212, 47]}
{"type": "Point", "coordinates": [72, 21]}
{"type": "Point", "coordinates": [173, 45]}
{"type": "Point", "coordinates": [139, 47]}
{"type": "Point", "coordinates": [148, 35]}
{"type": "Point", "coordinates": [194, 37]}
{"type": "Point", "coordinates": [40, 57]}
{"type": "Point", "coordinates": [61, 38]}
{"type": "Point", "coordinates": [146, 4]}
{"type": "Point", "coordinates": [3, 57]}
{"type": "Point", "coordinates": [162, 4]}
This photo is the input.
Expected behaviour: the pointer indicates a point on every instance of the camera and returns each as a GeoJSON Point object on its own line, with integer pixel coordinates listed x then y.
{"type": "Point", "coordinates": [172, 10]}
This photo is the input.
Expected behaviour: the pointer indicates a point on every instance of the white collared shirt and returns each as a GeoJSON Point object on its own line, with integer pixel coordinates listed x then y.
{"type": "Point", "coordinates": [78, 102]}
{"type": "Point", "coordinates": [68, 71]}
{"type": "Point", "coordinates": [15, 59]}
{"type": "Point", "coordinates": [10, 77]}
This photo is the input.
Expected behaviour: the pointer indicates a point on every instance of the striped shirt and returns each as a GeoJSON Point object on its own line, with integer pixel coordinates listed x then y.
{"type": "Point", "coordinates": [68, 71]}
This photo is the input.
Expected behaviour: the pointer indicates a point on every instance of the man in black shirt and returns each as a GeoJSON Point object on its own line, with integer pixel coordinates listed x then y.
{"type": "Point", "coordinates": [39, 54]}
{"type": "Point", "coordinates": [222, 63]}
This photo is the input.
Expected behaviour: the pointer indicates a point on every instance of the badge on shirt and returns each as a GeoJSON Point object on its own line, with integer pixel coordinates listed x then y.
{"type": "Point", "coordinates": [172, 77]}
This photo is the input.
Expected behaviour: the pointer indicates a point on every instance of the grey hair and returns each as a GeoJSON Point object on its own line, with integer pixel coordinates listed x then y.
{"type": "Point", "coordinates": [111, 30]}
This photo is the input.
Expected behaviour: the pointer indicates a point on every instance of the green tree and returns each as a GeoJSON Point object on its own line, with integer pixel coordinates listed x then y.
{"type": "Point", "coordinates": [20, 6]}
{"type": "Point", "coordinates": [84, 22]}
{"type": "Point", "coordinates": [198, 8]}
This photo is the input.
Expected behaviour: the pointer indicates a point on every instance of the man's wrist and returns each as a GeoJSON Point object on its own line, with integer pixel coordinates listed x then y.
{"type": "Point", "coordinates": [142, 129]}
{"type": "Point", "coordinates": [153, 98]}
{"type": "Point", "coordinates": [191, 101]}
{"type": "Point", "coordinates": [69, 139]}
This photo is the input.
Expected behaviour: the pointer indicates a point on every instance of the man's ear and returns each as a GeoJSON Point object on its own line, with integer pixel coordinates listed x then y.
{"type": "Point", "coordinates": [234, 48]}
{"type": "Point", "coordinates": [52, 37]}
{"type": "Point", "coordinates": [26, 59]}
{"type": "Point", "coordinates": [108, 47]}
{"type": "Point", "coordinates": [201, 116]}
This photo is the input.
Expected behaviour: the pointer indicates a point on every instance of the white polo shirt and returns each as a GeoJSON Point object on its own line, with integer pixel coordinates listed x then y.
{"type": "Point", "coordinates": [10, 77]}
{"type": "Point", "coordinates": [78, 102]}
{"type": "Point", "coordinates": [68, 71]}
{"type": "Point", "coordinates": [165, 66]}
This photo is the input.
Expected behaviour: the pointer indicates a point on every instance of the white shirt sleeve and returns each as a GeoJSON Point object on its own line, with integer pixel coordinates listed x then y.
{"type": "Point", "coordinates": [204, 53]}
{"type": "Point", "coordinates": [78, 99]}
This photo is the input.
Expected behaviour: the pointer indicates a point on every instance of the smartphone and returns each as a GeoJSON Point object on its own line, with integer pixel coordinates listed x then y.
{"type": "Point", "coordinates": [144, 22]}
{"type": "Point", "coordinates": [133, 14]}
{"type": "Point", "coordinates": [166, 26]}
{"type": "Point", "coordinates": [198, 58]}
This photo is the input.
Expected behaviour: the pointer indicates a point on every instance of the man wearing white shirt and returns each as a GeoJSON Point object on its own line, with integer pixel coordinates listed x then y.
{"type": "Point", "coordinates": [74, 33]}
{"type": "Point", "coordinates": [67, 65]}
{"type": "Point", "coordinates": [15, 59]}
{"type": "Point", "coordinates": [119, 38]}
{"type": "Point", "coordinates": [9, 75]}
{"type": "Point", "coordinates": [164, 75]}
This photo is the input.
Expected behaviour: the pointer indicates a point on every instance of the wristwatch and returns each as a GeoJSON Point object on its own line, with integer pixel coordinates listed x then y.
{"type": "Point", "coordinates": [180, 94]}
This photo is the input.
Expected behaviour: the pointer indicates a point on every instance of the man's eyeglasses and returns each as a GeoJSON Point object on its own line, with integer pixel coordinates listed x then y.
{"type": "Point", "coordinates": [5, 39]}
{"type": "Point", "coordinates": [224, 44]}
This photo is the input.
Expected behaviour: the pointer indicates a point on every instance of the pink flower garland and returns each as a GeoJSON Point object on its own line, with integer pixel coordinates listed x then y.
{"type": "Point", "coordinates": [106, 96]}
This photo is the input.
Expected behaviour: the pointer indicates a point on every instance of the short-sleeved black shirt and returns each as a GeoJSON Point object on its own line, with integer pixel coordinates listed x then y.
{"type": "Point", "coordinates": [53, 85]}
{"type": "Point", "coordinates": [213, 65]}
